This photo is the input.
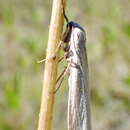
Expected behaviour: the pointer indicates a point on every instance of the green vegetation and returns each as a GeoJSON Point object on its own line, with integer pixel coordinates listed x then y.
{"type": "Point", "coordinates": [24, 29]}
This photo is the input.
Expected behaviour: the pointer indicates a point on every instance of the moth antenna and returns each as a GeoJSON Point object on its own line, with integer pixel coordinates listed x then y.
{"type": "Point", "coordinates": [63, 10]}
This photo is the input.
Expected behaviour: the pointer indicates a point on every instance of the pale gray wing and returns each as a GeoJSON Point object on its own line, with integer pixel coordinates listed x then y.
{"type": "Point", "coordinates": [78, 102]}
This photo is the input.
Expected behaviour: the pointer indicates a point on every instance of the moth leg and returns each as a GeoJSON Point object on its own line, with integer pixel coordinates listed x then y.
{"type": "Point", "coordinates": [60, 59]}
{"type": "Point", "coordinates": [50, 58]}
{"type": "Point", "coordinates": [57, 48]}
{"type": "Point", "coordinates": [53, 56]}
{"type": "Point", "coordinates": [46, 59]}
{"type": "Point", "coordinates": [61, 76]}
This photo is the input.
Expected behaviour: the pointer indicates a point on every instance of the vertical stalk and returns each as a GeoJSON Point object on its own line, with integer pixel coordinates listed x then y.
{"type": "Point", "coordinates": [50, 73]}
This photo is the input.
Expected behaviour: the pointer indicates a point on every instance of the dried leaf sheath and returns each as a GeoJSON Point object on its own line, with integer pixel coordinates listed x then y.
{"type": "Point", "coordinates": [78, 102]}
{"type": "Point", "coordinates": [50, 73]}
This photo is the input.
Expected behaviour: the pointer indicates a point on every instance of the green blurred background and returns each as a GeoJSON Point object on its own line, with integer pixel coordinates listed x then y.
{"type": "Point", "coordinates": [24, 26]}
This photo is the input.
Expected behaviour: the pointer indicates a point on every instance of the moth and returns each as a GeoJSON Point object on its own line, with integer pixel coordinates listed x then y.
{"type": "Point", "coordinates": [74, 45]}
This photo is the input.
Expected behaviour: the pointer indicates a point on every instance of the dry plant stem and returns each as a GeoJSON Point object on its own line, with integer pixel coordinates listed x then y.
{"type": "Point", "coordinates": [50, 74]}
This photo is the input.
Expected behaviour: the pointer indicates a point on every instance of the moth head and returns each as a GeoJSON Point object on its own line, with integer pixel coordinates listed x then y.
{"type": "Point", "coordinates": [67, 33]}
{"type": "Point", "coordinates": [73, 24]}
